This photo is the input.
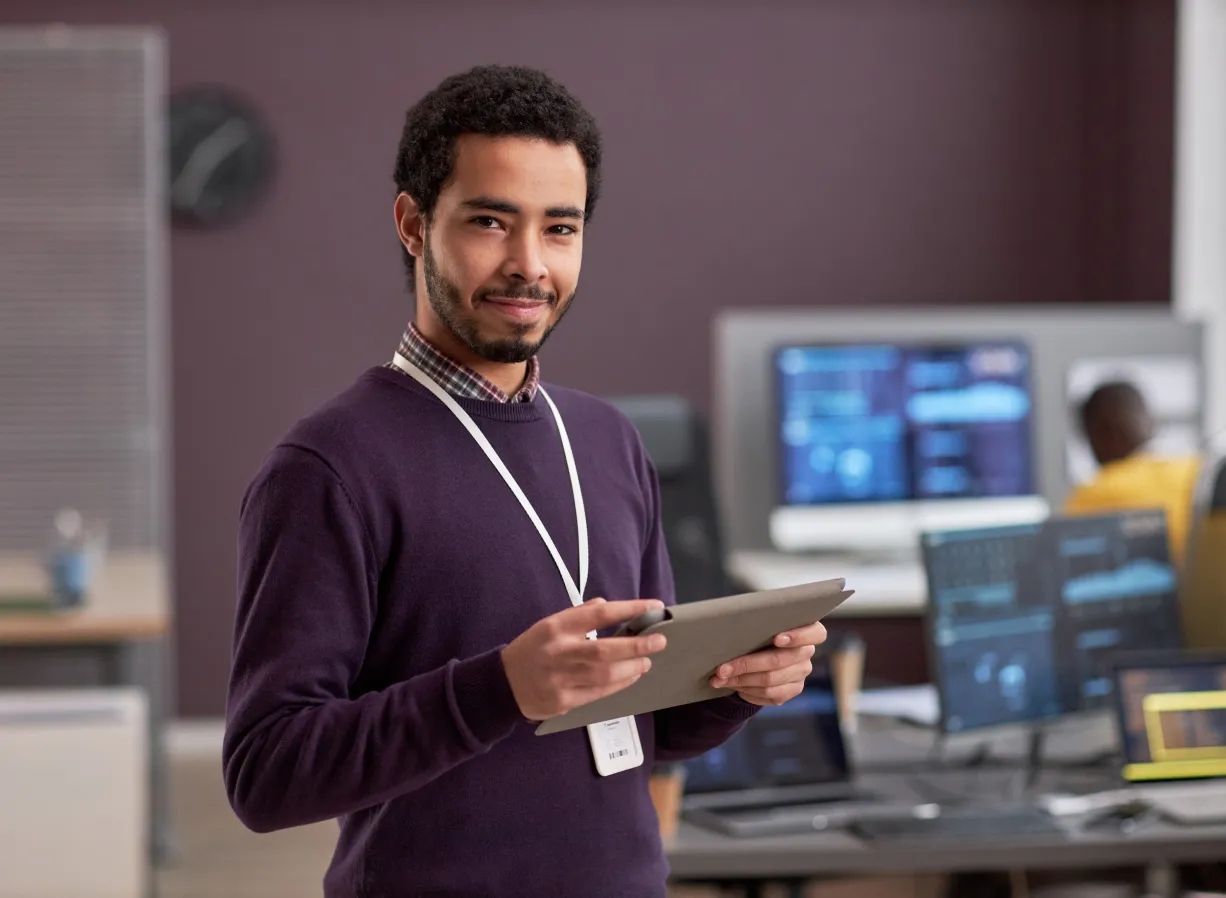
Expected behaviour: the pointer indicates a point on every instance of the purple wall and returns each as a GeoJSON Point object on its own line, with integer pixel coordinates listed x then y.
{"type": "Point", "coordinates": [776, 153]}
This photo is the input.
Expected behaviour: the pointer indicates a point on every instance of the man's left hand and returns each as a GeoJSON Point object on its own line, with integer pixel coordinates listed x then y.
{"type": "Point", "coordinates": [775, 675]}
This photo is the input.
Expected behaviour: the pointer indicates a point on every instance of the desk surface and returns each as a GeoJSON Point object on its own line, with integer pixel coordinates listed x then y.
{"type": "Point", "coordinates": [698, 853]}
{"type": "Point", "coordinates": [130, 600]}
{"type": "Point", "coordinates": [895, 589]}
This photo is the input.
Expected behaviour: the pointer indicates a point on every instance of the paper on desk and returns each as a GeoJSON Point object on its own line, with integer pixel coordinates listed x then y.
{"type": "Point", "coordinates": [918, 704]}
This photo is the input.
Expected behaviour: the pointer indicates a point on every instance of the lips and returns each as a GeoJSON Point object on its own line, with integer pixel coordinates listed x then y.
{"type": "Point", "coordinates": [517, 308]}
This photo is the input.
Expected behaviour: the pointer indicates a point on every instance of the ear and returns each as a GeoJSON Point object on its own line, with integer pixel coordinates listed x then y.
{"type": "Point", "coordinates": [410, 224]}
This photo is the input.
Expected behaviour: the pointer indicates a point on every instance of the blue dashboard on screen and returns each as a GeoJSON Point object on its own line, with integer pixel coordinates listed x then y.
{"type": "Point", "coordinates": [1025, 620]}
{"type": "Point", "coordinates": [891, 422]}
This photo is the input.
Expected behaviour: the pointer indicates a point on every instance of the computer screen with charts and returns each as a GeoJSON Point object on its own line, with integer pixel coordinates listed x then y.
{"type": "Point", "coordinates": [884, 423]}
{"type": "Point", "coordinates": [903, 429]}
{"type": "Point", "coordinates": [1117, 590]}
{"type": "Point", "coordinates": [798, 743]}
{"type": "Point", "coordinates": [991, 636]}
{"type": "Point", "coordinates": [1171, 712]}
{"type": "Point", "coordinates": [1024, 620]}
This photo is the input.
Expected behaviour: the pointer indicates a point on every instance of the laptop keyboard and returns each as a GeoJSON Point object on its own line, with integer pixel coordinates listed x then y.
{"type": "Point", "coordinates": [962, 825]}
{"type": "Point", "coordinates": [795, 819]}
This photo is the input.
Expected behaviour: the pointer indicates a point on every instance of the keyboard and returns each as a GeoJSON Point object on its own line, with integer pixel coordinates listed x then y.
{"type": "Point", "coordinates": [961, 826]}
{"type": "Point", "coordinates": [793, 819]}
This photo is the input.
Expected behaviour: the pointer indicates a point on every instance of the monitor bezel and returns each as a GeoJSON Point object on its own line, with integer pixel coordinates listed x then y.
{"type": "Point", "coordinates": [776, 416]}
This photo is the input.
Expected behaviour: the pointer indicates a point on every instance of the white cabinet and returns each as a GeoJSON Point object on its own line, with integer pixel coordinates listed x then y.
{"type": "Point", "coordinates": [73, 794]}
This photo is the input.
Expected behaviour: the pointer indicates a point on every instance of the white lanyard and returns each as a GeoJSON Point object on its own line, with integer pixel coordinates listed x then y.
{"type": "Point", "coordinates": [615, 743]}
{"type": "Point", "coordinates": [575, 591]}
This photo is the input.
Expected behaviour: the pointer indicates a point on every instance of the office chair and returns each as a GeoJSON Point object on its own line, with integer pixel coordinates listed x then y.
{"type": "Point", "coordinates": [1217, 495]}
{"type": "Point", "coordinates": [677, 441]}
{"type": "Point", "coordinates": [1203, 587]}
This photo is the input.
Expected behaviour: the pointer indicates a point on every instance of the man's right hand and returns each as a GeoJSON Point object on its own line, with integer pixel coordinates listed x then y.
{"type": "Point", "coordinates": [553, 667]}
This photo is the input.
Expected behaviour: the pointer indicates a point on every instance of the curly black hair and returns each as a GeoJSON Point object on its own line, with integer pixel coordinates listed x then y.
{"type": "Point", "coordinates": [496, 100]}
{"type": "Point", "coordinates": [1117, 403]}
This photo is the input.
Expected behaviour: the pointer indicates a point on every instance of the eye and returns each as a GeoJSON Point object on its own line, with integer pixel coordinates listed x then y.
{"type": "Point", "coordinates": [486, 221]}
{"type": "Point", "coordinates": [564, 230]}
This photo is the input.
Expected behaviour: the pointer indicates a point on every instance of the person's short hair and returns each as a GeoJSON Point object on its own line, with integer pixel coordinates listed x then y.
{"type": "Point", "coordinates": [1111, 403]}
{"type": "Point", "coordinates": [494, 100]}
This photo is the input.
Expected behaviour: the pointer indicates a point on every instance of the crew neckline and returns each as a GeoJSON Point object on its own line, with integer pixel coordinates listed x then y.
{"type": "Point", "coordinates": [511, 412]}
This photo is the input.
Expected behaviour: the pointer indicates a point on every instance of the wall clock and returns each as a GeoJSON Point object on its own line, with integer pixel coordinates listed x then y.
{"type": "Point", "coordinates": [221, 156]}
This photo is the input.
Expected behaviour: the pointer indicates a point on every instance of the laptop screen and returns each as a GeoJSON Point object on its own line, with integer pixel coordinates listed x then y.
{"type": "Point", "coordinates": [1172, 716]}
{"type": "Point", "coordinates": [798, 743]}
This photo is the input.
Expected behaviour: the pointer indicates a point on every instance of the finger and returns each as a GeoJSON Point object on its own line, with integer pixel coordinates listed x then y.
{"type": "Point", "coordinates": [583, 695]}
{"type": "Point", "coordinates": [598, 614]}
{"type": "Point", "coordinates": [767, 659]}
{"type": "Point", "coordinates": [771, 695]}
{"type": "Point", "coordinates": [813, 634]}
{"type": "Point", "coordinates": [795, 673]}
{"type": "Point", "coordinates": [619, 648]}
{"type": "Point", "coordinates": [590, 675]}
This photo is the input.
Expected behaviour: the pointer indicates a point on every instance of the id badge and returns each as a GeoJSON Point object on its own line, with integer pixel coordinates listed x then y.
{"type": "Point", "coordinates": [615, 745]}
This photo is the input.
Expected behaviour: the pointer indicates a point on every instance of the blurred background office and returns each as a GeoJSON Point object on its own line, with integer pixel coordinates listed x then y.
{"type": "Point", "coordinates": [857, 270]}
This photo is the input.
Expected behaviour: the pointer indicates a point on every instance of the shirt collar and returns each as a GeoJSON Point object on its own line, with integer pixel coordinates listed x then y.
{"type": "Point", "coordinates": [460, 380]}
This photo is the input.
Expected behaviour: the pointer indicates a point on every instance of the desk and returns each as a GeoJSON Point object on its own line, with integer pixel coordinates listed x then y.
{"type": "Point", "coordinates": [117, 638]}
{"type": "Point", "coordinates": [700, 854]}
{"type": "Point", "coordinates": [883, 589]}
{"type": "Point", "coordinates": [696, 853]}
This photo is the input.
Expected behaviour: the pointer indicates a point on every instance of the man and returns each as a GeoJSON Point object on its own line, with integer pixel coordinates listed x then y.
{"type": "Point", "coordinates": [1118, 427]}
{"type": "Point", "coordinates": [404, 621]}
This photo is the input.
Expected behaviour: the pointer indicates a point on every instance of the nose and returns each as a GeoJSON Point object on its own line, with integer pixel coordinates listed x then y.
{"type": "Point", "coordinates": [524, 261]}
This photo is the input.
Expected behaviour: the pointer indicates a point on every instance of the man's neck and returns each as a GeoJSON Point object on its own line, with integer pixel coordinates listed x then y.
{"type": "Point", "coordinates": [508, 377]}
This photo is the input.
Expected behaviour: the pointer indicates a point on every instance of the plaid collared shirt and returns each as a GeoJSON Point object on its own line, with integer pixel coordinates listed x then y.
{"type": "Point", "coordinates": [459, 380]}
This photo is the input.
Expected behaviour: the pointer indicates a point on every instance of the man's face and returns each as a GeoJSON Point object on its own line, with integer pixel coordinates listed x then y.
{"type": "Point", "coordinates": [499, 259]}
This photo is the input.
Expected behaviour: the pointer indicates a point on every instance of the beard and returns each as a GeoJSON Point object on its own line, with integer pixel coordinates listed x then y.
{"type": "Point", "coordinates": [448, 304]}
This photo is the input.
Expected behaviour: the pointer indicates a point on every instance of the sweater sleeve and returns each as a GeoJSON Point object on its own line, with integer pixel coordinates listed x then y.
{"type": "Point", "coordinates": [299, 747]}
{"type": "Point", "coordinates": [688, 730]}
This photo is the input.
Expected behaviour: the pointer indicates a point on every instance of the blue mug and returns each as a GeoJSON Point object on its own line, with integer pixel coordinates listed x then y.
{"type": "Point", "coordinates": [70, 571]}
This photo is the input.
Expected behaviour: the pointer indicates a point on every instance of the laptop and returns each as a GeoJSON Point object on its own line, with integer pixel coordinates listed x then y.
{"type": "Point", "coordinates": [1171, 716]}
{"type": "Point", "coordinates": [787, 771]}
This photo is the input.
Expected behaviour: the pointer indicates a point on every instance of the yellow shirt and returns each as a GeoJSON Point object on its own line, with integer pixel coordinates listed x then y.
{"type": "Point", "coordinates": [1143, 481]}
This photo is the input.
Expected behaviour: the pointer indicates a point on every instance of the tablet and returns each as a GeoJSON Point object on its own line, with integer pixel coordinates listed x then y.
{"type": "Point", "coordinates": [701, 637]}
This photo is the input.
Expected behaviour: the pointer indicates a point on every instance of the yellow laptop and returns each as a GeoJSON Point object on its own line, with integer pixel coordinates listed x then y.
{"type": "Point", "coordinates": [1171, 713]}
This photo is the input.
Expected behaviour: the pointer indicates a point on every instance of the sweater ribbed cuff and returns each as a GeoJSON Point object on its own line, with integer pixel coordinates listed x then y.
{"type": "Point", "coordinates": [733, 707]}
{"type": "Point", "coordinates": [481, 700]}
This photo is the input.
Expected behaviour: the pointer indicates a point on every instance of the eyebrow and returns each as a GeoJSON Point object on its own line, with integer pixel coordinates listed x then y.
{"type": "Point", "coordinates": [490, 204]}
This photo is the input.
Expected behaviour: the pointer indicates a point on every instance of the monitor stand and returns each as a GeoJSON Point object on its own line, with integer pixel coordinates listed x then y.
{"type": "Point", "coordinates": [1034, 761]}
{"type": "Point", "coordinates": [1008, 776]}
{"type": "Point", "coordinates": [1035, 765]}
{"type": "Point", "coordinates": [1020, 784]}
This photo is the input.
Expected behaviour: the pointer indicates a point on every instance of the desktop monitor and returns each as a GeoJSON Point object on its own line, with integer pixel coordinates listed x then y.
{"type": "Point", "coordinates": [1116, 590]}
{"type": "Point", "coordinates": [1024, 620]}
{"type": "Point", "coordinates": [1171, 714]}
{"type": "Point", "coordinates": [990, 638]}
{"type": "Point", "coordinates": [879, 442]}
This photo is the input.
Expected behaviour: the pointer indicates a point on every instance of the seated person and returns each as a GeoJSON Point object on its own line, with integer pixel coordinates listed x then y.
{"type": "Point", "coordinates": [1118, 427]}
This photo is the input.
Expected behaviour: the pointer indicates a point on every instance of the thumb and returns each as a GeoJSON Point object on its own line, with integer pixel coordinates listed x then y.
{"type": "Point", "coordinates": [598, 613]}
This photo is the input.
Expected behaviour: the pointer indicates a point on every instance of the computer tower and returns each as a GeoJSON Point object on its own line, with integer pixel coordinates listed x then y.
{"type": "Point", "coordinates": [677, 441]}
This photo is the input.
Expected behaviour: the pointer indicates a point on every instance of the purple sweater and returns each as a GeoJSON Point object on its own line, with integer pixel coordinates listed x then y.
{"type": "Point", "coordinates": [383, 564]}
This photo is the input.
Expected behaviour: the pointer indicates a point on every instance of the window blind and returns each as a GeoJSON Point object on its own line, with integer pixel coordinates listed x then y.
{"type": "Point", "coordinates": [83, 375]}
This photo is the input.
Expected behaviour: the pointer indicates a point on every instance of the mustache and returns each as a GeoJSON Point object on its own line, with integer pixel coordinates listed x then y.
{"type": "Point", "coordinates": [520, 291]}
